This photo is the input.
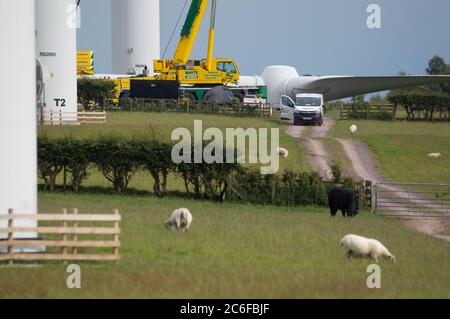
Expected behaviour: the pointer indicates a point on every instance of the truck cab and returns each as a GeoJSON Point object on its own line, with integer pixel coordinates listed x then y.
{"type": "Point", "coordinates": [308, 108]}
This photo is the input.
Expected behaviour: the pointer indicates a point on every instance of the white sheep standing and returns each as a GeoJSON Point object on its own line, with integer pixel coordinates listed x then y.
{"type": "Point", "coordinates": [282, 152]}
{"type": "Point", "coordinates": [435, 155]}
{"type": "Point", "coordinates": [360, 247]}
{"type": "Point", "coordinates": [181, 219]}
{"type": "Point", "coordinates": [353, 129]}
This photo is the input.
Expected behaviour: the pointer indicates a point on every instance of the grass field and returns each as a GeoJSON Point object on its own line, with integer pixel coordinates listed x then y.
{"type": "Point", "coordinates": [240, 251]}
{"type": "Point", "coordinates": [160, 126]}
{"type": "Point", "coordinates": [236, 251]}
{"type": "Point", "coordinates": [401, 148]}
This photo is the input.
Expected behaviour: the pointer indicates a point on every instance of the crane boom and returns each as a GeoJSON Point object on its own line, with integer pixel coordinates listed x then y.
{"type": "Point", "coordinates": [209, 53]}
{"type": "Point", "coordinates": [205, 72]}
{"type": "Point", "coordinates": [189, 32]}
{"type": "Point", "coordinates": [183, 77]}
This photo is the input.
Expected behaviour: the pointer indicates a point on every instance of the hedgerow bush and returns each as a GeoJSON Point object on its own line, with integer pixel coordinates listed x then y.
{"type": "Point", "coordinates": [68, 156]}
{"type": "Point", "coordinates": [289, 189]}
{"type": "Point", "coordinates": [118, 160]}
{"type": "Point", "coordinates": [154, 156]}
{"type": "Point", "coordinates": [50, 163]}
{"type": "Point", "coordinates": [423, 106]}
{"type": "Point", "coordinates": [209, 181]}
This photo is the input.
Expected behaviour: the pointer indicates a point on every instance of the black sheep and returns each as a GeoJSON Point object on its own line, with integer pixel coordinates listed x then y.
{"type": "Point", "coordinates": [340, 198]}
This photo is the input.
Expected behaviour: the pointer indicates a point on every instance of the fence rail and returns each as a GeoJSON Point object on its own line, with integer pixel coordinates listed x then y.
{"type": "Point", "coordinates": [186, 106]}
{"type": "Point", "coordinates": [382, 111]}
{"type": "Point", "coordinates": [75, 118]}
{"type": "Point", "coordinates": [412, 200]}
{"type": "Point", "coordinates": [61, 241]}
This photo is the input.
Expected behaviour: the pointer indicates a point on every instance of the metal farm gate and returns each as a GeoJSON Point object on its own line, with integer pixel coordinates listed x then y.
{"type": "Point", "coordinates": [412, 200]}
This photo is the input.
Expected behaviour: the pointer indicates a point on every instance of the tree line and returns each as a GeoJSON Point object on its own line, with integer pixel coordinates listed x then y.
{"type": "Point", "coordinates": [64, 164]}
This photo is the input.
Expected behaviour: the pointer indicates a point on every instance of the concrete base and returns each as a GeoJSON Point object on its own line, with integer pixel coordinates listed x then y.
{"type": "Point", "coordinates": [24, 249]}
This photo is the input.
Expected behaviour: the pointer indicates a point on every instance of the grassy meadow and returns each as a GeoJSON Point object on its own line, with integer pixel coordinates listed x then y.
{"type": "Point", "coordinates": [160, 126]}
{"type": "Point", "coordinates": [236, 251]}
{"type": "Point", "coordinates": [243, 251]}
{"type": "Point", "coordinates": [401, 148]}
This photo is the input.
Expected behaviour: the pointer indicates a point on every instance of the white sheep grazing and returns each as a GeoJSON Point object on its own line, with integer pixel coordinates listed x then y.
{"type": "Point", "coordinates": [360, 247]}
{"type": "Point", "coordinates": [181, 219]}
{"type": "Point", "coordinates": [353, 129]}
{"type": "Point", "coordinates": [282, 152]}
{"type": "Point", "coordinates": [435, 155]}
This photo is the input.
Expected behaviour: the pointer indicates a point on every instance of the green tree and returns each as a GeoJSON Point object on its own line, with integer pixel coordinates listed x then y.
{"type": "Point", "coordinates": [377, 99]}
{"type": "Point", "coordinates": [438, 66]}
{"type": "Point", "coordinates": [446, 86]}
{"type": "Point", "coordinates": [92, 93]}
{"type": "Point", "coordinates": [359, 99]}
{"type": "Point", "coordinates": [117, 160]}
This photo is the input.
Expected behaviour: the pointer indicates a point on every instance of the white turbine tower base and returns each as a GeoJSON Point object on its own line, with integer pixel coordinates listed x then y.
{"type": "Point", "coordinates": [18, 161]}
{"type": "Point", "coordinates": [56, 51]}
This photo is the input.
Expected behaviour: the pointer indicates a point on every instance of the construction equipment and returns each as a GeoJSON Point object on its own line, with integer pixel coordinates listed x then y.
{"type": "Point", "coordinates": [182, 78]}
{"type": "Point", "coordinates": [85, 62]}
{"type": "Point", "coordinates": [195, 72]}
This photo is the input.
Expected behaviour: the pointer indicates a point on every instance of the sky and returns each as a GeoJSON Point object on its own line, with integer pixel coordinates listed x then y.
{"type": "Point", "coordinates": [319, 37]}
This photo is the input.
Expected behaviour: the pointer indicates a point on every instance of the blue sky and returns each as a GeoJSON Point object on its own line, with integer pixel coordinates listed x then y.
{"type": "Point", "coordinates": [324, 37]}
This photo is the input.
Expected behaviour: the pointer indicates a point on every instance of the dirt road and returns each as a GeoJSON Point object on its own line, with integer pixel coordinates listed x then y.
{"type": "Point", "coordinates": [363, 167]}
{"type": "Point", "coordinates": [318, 156]}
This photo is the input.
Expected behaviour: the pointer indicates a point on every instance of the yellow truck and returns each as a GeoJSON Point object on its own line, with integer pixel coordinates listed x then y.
{"type": "Point", "coordinates": [181, 77]}
{"type": "Point", "coordinates": [197, 72]}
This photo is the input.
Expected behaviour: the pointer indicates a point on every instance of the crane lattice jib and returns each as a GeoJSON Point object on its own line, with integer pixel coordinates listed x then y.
{"type": "Point", "coordinates": [194, 10]}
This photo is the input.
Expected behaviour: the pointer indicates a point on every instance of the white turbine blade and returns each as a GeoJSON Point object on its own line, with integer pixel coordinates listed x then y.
{"type": "Point", "coordinates": [339, 87]}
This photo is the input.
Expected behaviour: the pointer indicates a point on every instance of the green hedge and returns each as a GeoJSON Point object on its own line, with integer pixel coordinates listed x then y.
{"type": "Point", "coordinates": [423, 106]}
{"type": "Point", "coordinates": [68, 156]}
{"type": "Point", "coordinates": [287, 189]}
{"type": "Point", "coordinates": [119, 160]}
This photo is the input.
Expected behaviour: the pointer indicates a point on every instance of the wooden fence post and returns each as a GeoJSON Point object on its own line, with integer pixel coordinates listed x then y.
{"type": "Point", "coordinates": [116, 236]}
{"type": "Point", "coordinates": [75, 236]}
{"type": "Point", "coordinates": [10, 236]}
{"type": "Point", "coordinates": [361, 194]}
{"type": "Point", "coordinates": [63, 241]}
{"type": "Point", "coordinates": [373, 200]}
{"type": "Point", "coordinates": [64, 235]}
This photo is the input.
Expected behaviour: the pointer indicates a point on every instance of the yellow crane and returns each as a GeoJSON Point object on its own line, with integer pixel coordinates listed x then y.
{"type": "Point", "coordinates": [182, 77]}
{"type": "Point", "coordinates": [209, 71]}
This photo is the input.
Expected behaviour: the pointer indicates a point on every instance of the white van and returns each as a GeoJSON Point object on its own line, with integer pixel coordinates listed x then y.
{"type": "Point", "coordinates": [308, 108]}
